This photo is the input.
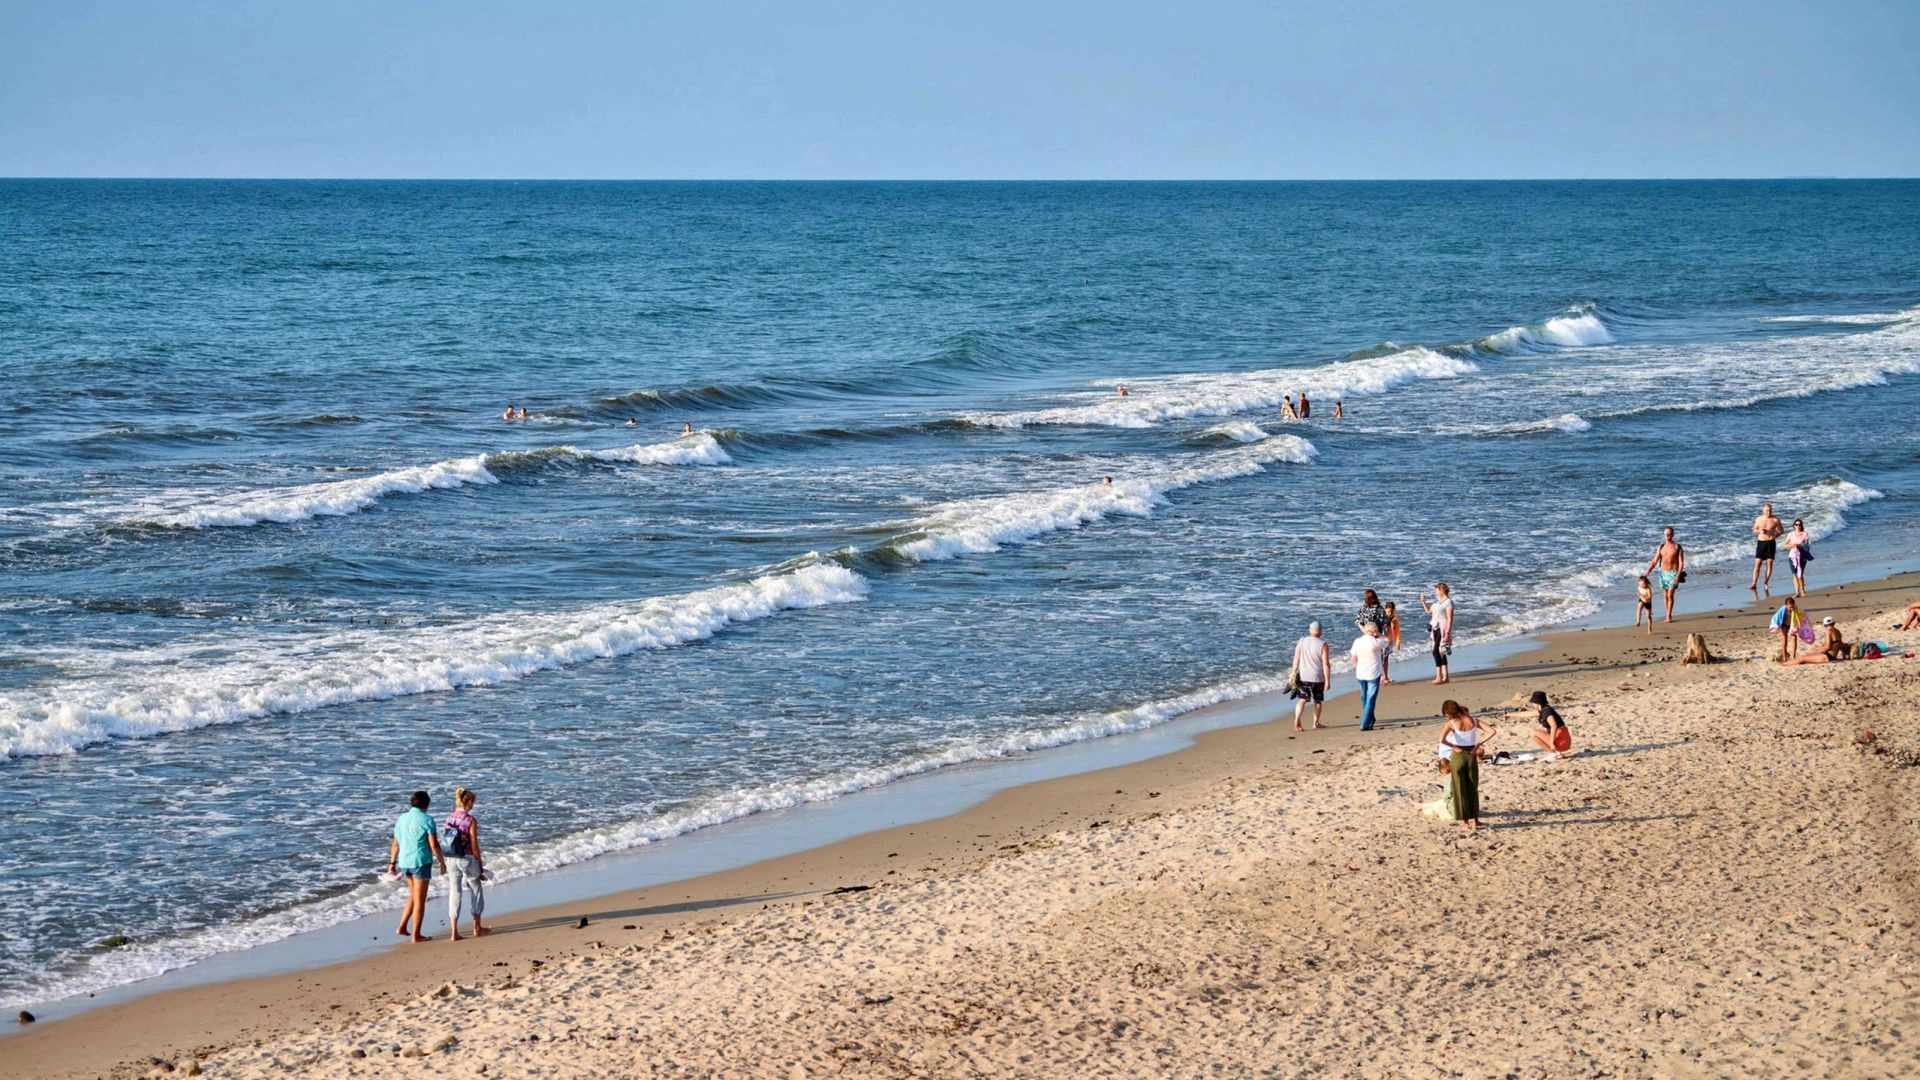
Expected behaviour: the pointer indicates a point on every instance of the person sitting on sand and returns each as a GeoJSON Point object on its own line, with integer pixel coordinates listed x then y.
{"type": "Point", "coordinates": [1552, 734]}
{"type": "Point", "coordinates": [465, 869]}
{"type": "Point", "coordinates": [1786, 623]}
{"type": "Point", "coordinates": [415, 848]}
{"type": "Point", "coordinates": [1462, 741]}
{"type": "Point", "coordinates": [1646, 603]}
{"type": "Point", "coordinates": [1913, 617]}
{"type": "Point", "coordinates": [1832, 650]}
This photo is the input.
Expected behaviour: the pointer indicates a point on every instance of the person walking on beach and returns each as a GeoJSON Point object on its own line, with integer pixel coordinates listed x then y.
{"type": "Point", "coordinates": [1669, 567]}
{"type": "Point", "coordinates": [1440, 629]}
{"type": "Point", "coordinates": [1766, 532]}
{"type": "Point", "coordinates": [465, 870]}
{"type": "Point", "coordinates": [1370, 658]}
{"type": "Point", "coordinates": [1371, 611]}
{"type": "Point", "coordinates": [1311, 666]}
{"type": "Point", "coordinates": [1799, 554]}
{"type": "Point", "coordinates": [411, 856]}
{"type": "Point", "coordinates": [1461, 740]}
{"type": "Point", "coordinates": [1646, 603]}
{"type": "Point", "coordinates": [1786, 623]}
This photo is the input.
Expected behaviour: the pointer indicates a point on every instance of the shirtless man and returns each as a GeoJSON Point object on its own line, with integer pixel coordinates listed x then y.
{"type": "Point", "coordinates": [1121, 390]}
{"type": "Point", "coordinates": [1668, 563]}
{"type": "Point", "coordinates": [508, 415]}
{"type": "Point", "coordinates": [1766, 529]}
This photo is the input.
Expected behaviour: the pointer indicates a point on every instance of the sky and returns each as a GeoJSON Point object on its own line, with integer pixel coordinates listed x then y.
{"type": "Point", "coordinates": [959, 89]}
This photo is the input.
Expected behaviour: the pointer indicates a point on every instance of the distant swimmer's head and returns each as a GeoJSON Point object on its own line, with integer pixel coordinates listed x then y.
{"type": "Point", "coordinates": [464, 798]}
{"type": "Point", "coordinates": [631, 422]}
{"type": "Point", "coordinates": [1106, 481]}
{"type": "Point", "coordinates": [420, 800]}
{"type": "Point", "coordinates": [686, 428]}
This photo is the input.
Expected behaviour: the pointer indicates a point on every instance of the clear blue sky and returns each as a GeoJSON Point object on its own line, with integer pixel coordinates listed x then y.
{"type": "Point", "coordinates": [959, 89]}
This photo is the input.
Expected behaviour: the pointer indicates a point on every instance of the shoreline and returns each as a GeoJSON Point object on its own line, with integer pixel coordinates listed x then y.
{"type": "Point", "coordinates": [1571, 662]}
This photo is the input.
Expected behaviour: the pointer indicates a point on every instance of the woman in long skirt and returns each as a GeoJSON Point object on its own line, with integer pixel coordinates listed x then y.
{"type": "Point", "coordinates": [1461, 739]}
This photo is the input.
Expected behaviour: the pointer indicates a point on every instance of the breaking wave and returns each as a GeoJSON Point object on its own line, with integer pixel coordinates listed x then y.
{"type": "Point", "coordinates": [1578, 328]}
{"type": "Point", "coordinates": [131, 695]}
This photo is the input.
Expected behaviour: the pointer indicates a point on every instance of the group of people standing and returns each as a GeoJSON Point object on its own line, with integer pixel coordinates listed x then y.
{"type": "Point", "coordinates": [418, 846]}
{"type": "Point", "coordinates": [1668, 567]}
{"type": "Point", "coordinates": [1304, 410]}
{"type": "Point", "coordinates": [1371, 653]}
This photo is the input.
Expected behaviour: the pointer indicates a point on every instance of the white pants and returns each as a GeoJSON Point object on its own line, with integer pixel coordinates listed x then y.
{"type": "Point", "coordinates": [463, 881]}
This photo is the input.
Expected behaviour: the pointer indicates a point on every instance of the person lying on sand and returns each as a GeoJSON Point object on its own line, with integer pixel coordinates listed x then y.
{"type": "Point", "coordinates": [1832, 650]}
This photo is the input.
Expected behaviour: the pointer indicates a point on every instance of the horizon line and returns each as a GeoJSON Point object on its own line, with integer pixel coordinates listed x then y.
{"type": "Point", "coordinates": [963, 179]}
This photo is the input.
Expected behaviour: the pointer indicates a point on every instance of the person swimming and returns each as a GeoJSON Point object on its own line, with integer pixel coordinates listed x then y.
{"type": "Point", "coordinates": [631, 422]}
{"type": "Point", "coordinates": [1121, 389]}
{"type": "Point", "coordinates": [1287, 411]}
{"type": "Point", "coordinates": [686, 428]}
{"type": "Point", "coordinates": [523, 413]}
{"type": "Point", "coordinates": [1106, 483]}
{"type": "Point", "coordinates": [1306, 407]}
{"type": "Point", "coordinates": [1339, 409]}
{"type": "Point", "coordinates": [508, 415]}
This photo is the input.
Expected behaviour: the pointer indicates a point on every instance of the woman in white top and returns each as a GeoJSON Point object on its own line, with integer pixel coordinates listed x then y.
{"type": "Point", "coordinates": [1440, 628]}
{"type": "Point", "coordinates": [1799, 554]}
{"type": "Point", "coordinates": [1311, 666]}
{"type": "Point", "coordinates": [1461, 741]}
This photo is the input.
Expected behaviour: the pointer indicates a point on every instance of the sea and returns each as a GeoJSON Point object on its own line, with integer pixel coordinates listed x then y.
{"type": "Point", "coordinates": [822, 485]}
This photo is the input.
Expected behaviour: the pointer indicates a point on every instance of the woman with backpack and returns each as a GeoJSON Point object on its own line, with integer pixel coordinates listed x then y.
{"type": "Point", "coordinates": [460, 840]}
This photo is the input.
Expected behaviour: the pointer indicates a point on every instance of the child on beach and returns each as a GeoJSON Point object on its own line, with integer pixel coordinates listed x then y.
{"type": "Point", "coordinates": [415, 848]}
{"type": "Point", "coordinates": [465, 873]}
{"type": "Point", "coordinates": [1393, 628]}
{"type": "Point", "coordinates": [1646, 603]}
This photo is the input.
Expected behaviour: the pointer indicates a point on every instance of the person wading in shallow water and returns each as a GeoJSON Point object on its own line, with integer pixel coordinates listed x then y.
{"type": "Point", "coordinates": [1669, 567]}
{"type": "Point", "coordinates": [411, 857]}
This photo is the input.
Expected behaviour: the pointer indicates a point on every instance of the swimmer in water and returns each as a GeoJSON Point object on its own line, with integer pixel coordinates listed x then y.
{"type": "Point", "coordinates": [1121, 389]}
{"type": "Point", "coordinates": [1306, 407]}
{"type": "Point", "coordinates": [1339, 410]}
{"type": "Point", "coordinates": [508, 415]}
{"type": "Point", "coordinates": [686, 428]}
{"type": "Point", "coordinates": [631, 422]}
{"type": "Point", "coordinates": [1286, 409]}
{"type": "Point", "coordinates": [1106, 484]}
{"type": "Point", "coordinates": [523, 413]}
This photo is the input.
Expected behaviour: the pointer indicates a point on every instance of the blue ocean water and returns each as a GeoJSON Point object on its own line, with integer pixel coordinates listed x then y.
{"type": "Point", "coordinates": [271, 559]}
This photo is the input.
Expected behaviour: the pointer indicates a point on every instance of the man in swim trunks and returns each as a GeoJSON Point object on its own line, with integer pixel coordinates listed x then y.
{"type": "Point", "coordinates": [1766, 530]}
{"type": "Point", "coordinates": [1668, 564]}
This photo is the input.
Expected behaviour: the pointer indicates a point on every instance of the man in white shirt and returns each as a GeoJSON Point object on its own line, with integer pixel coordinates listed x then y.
{"type": "Point", "coordinates": [1311, 666]}
{"type": "Point", "coordinates": [1371, 654]}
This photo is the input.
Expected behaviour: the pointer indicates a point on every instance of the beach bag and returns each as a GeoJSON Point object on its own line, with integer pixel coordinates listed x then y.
{"type": "Point", "coordinates": [1868, 651]}
{"type": "Point", "coordinates": [456, 841]}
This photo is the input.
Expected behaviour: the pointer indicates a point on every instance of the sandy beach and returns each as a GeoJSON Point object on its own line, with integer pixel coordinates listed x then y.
{"type": "Point", "coordinates": [1722, 883]}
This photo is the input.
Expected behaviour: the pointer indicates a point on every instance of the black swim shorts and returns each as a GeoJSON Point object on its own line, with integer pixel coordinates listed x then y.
{"type": "Point", "coordinates": [1315, 692]}
{"type": "Point", "coordinates": [1764, 549]}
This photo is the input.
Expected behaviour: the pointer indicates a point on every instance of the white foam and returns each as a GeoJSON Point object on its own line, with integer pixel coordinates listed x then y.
{"type": "Point", "coordinates": [337, 498]}
{"type": "Point", "coordinates": [1577, 329]}
{"type": "Point", "coordinates": [332, 499]}
{"type": "Point", "coordinates": [699, 448]}
{"type": "Point", "coordinates": [139, 694]}
{"type": "Point", "coordinates": [1869, 319]}
{"type": "Point", "coordinates": [1569, 423]}
{"type": "Point", "coordinates": [977, 526]}
{"type": "Point", "coordinates": [1240, 431]}
{"type": "Point", "coordinates": [1175, 397]}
